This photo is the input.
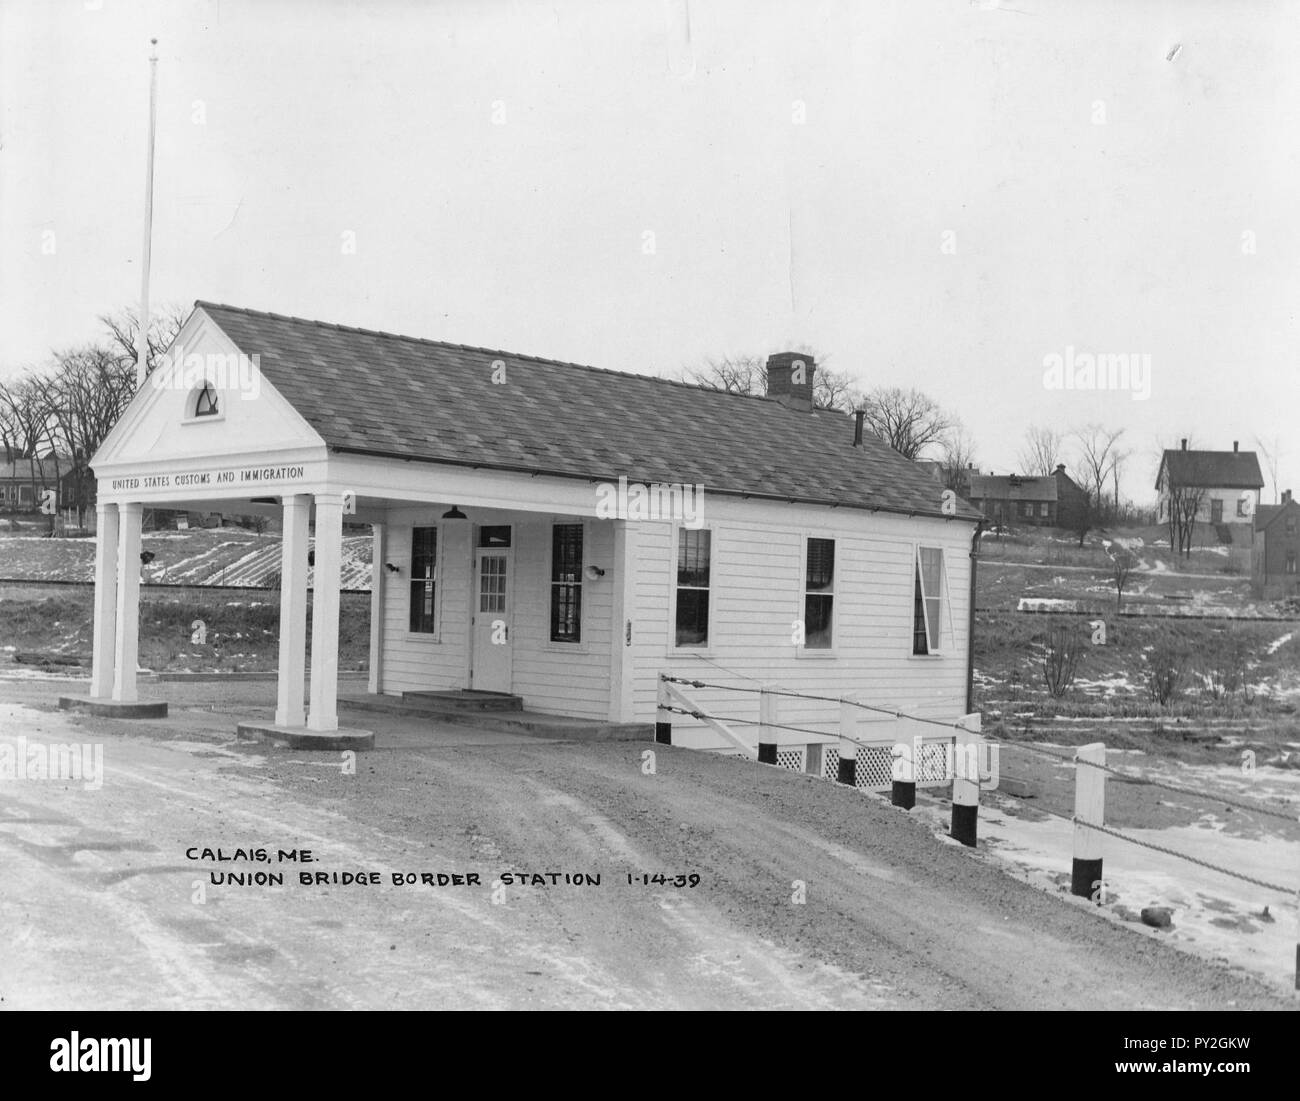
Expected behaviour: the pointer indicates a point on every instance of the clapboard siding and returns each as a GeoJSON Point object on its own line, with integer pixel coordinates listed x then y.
{"type": "Point", "coordinates": [757, 595]}
{"type": "Point", "coordinates": [560, 678]}
{"type": "Point", "coordinates": [414, 662]}
{"type": "Point", "coordinates": [551, 677]}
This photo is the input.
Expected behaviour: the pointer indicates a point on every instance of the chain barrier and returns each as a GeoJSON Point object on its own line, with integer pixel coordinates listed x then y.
{"type": "Point", "coordinates": [821, 699]}
{"type": "Point", "coordinates": [1184, 856]}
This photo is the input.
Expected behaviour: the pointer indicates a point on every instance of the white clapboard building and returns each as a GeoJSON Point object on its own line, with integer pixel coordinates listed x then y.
{"type": "Point", "coordinates": [560, 533]}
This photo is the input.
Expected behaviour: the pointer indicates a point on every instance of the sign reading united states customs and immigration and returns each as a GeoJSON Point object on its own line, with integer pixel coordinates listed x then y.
{"type": "Point", "coordinates": [192, 479]}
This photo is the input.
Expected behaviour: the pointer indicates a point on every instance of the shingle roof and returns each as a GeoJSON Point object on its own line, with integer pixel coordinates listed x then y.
{"type": "Point", "coordinates": [1011, 487]}
{"type": "Point", "coordinates": [1212, 469]}
{"type": "Point", "coordinates": [23, 469]}
{"type": "Point", "coordinates": [383, 394]}
{"type": "Point", "coordinates": [1266, 514]}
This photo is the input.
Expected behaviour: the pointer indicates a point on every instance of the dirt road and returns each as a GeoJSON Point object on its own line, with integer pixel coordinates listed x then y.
{"type": "Point", "coordinates": [101, 904]}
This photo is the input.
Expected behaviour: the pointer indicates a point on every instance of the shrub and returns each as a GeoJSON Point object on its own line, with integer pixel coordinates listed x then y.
{"type": "Point", "coordinates": [1166, 671]}
{"type": "Point", "coordinates": [1061, 658]}
{"type": "Point", "coordinates": [1227, 669]}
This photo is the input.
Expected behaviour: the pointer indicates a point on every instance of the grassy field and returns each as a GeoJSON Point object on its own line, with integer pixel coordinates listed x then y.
{"type": "Point", "coordinates": [241, 633]}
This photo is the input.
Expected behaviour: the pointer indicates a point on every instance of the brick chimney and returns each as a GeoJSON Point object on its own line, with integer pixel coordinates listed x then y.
{"type": "Point", "coordinates": [1286, 496]}
{"type": "Point", "coordinates": [1184, 443]}
{"type": "Point", "coordinates": [1234, 445]}
{"type": "Point", "coordinates": [790, 379]}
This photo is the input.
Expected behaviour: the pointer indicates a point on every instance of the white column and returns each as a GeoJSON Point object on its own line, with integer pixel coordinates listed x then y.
{"type": "Point", "coordinates": [106, 527]}
{"type": "Point", "coordinates": [623, 622]}
{"type": "Point", "coordinates": [378, 585]}
{"type": "Point", "coordinates": [323, 713]}
{"type": "Point", "coordinates": [127, 656]}
{"type": "Point", "coordinates": [289, 705]}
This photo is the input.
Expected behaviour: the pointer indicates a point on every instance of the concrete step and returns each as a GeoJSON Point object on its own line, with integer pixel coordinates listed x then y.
{"type": "Point", "coordinates": [560, 727]}
{"type": "Point", "coordinates": [464, 700]}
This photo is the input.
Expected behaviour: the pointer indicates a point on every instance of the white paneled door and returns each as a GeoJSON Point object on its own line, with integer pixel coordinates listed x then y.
{"type": "Point", "coordinates": [493, 600]}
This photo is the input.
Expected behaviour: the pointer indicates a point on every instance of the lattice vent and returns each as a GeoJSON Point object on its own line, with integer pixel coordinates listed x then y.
{"type": "Point", "coordinates": [830, 763]}
{"type": "Point", "coordinates": [875, 767]}
{"type": "Point", "coordinates": [790, 758]}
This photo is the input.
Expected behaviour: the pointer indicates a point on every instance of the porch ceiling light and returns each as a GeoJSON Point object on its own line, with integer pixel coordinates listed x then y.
{"type": "Point", "coordinates": [454, 513]}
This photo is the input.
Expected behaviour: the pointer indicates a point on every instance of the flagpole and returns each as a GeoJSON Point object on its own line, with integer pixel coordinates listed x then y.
{"type": "Point", "coordinates": [142, 337]}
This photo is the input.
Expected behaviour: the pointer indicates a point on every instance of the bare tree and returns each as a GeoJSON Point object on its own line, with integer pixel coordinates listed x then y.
{"type": "Point", "coordinates": [1041, 452]}
{"type": "Point", "coordinates": [836, 390]}
{"type": "Point", "coordinates": [1122, 563]}
{"type": "Point", "coordinates": [65, 408]}
{"type": "Point", "coordinates": [122, 328]}
{"type": "Point", "coordinates": [85, 392]}
{"type": "Point", "coordinates": [1184, 505]}
{"type": "Point", "coordinates": [958, 458]}
{"type": "Point", "coordinates": [1272, 453]}
{"type": "Point", "coordinates": [734, 374]}
{"type": "Point", "coordinates": [1084, 517]}
{"type": "Point", "coordinates": [746, 374]}
{"type": "Point", "coordinates": [908, 420]}
{"type": "Point", "coordinates": [1099, 458]}
{"type": "Point", "coordinates": [22, 415]}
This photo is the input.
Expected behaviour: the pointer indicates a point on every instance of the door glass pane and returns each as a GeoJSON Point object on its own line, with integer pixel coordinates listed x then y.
{"type": "Point", "coordinates": [492, 584]}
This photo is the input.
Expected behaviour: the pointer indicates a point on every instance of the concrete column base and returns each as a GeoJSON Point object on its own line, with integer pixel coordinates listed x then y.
{"type": "Point", "coordinates": [299, 737]}
{"type": "Point", "coordinates": [115, 709]}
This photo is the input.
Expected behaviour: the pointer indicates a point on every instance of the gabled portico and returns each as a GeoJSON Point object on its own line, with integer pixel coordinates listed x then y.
{"type": "Point", "coordinates": [209, 432]}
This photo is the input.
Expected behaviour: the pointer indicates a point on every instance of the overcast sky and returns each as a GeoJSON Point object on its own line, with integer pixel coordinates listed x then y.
{"type": "Point", "coordinates": [938, 193]}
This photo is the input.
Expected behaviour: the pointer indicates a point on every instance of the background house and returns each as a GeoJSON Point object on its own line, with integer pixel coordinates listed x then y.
{"type": "Point", "coordinates": [1275, 567]}
{"type": "Point", "coordinates": [1014, 499]}
{"type": "Point", "coordinates": [1051, 501]}
{"type": "Point", "coordinates": [1225, 486]}
{"type": "Point", "coordinates": [22, 480]}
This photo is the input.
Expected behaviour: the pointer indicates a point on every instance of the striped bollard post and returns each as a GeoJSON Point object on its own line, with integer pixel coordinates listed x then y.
{"type": "Point", "coordinates": [1089, 806]}
{"type": "Point", "coordinates": [906, 765]}
{"type": "Point", "coordinates": [767, 735]}
{"type": "Point", "coordinates": [848, 748]}
{"type": "Point", "coordinates": [966, 781]}
{"type": "Point", "coordinates": [663, 717]}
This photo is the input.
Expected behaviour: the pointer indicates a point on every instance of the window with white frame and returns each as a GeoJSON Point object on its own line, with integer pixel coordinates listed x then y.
{"type": "Point", "coordinates": [1242, 503]}
{"type": "Point", "coordinates": [928, 610]}
{"type": "Point", "coordinates": [819, 594]}
{"type": "Point", "coordinates": [424, 579]}
{"type": "Point", "coordinates": [694, 549]}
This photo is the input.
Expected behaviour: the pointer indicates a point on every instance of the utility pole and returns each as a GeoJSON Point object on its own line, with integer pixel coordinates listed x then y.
{"type": "Point", "coordinates": [142, 337]}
